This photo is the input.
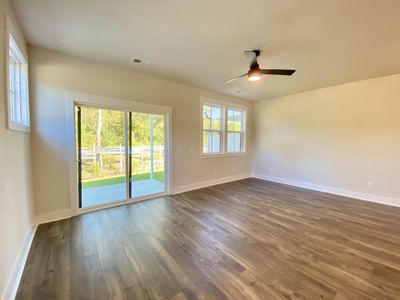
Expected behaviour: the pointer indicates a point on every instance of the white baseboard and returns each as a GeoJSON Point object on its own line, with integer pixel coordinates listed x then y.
{"type": "Point", "coordinates": [203, 184]}
{"type": "Point", "coordinates": [332, 190]}
{"type": "Point", "coordinates": [53, 216]}
{"type": "Point", "coordinates": [12, 284]}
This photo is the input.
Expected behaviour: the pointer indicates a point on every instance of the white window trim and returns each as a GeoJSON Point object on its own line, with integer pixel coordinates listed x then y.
{"type": "Point", "coordinates": [11, 29]}
{"type": "Point", "coordinates": [225, 106]}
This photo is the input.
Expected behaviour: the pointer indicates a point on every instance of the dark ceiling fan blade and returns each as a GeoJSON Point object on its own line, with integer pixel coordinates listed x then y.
{"type": "Point", "coordinates": [252, 56]}
{"type": "Point", "coordinates": [278, 72]}
{"type": "Point", "coordinates": [233, 79]}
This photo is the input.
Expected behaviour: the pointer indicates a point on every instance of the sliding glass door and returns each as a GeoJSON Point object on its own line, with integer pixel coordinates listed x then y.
{"type": "Point", "coordinates": [120, 155]}
{"type": "Point", "coordinates": [147, 154]}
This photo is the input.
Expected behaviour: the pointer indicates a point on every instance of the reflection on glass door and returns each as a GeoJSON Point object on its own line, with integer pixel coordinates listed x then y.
{"type": "Point", "coordinates": [101, 155]}
{"type": "Point", "coordinates": [147, 154]}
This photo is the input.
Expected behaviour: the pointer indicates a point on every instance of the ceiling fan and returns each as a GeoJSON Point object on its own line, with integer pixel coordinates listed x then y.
{"type": "Point", "coordinates": [255, 73]}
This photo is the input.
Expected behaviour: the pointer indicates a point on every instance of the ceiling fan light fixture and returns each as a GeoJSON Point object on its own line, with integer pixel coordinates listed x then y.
{"type": "Point", "coordinates": [254, 75]}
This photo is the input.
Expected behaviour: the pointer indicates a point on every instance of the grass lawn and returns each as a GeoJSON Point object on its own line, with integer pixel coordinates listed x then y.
{"type": "Point", "coordinates": [159, 176]}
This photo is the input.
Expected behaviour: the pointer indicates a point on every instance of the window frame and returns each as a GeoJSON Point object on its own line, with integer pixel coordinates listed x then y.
{"type": "Point", "coordinates": [224, 140]}
{"type": "Point", "coordinates": [21, 52]}
{"type": "Point", "coordinates": [221, 131]}
{"type": "Point", "coordinates": [242, 132]}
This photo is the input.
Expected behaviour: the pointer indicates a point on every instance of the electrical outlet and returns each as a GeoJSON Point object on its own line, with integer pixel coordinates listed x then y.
{"type": "Point", "coordinates": [370, 184]}
{"type": "Point", "coordinates": [179, 149]}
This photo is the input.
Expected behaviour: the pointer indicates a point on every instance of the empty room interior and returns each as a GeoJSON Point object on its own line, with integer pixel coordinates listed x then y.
{"type": "Point", "coordinates": [200, 149]}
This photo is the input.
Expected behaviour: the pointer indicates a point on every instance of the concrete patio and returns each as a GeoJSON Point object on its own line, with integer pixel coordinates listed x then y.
{"type": "Point", "coordinates": [101, 195]}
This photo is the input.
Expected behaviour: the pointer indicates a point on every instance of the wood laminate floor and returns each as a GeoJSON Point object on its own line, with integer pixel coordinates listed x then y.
{"type": "Point", "coordinates": [248, 239]}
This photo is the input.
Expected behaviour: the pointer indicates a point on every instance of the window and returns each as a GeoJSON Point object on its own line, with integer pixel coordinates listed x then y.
{"type": "Point", "coordinates": [223, 129]}
{"type": "Point", "coordinates": [235, 130]}
{"type": "Point", "coordinates": [212, 129]}
{"type": "Point", "coordinates": [17, 75]}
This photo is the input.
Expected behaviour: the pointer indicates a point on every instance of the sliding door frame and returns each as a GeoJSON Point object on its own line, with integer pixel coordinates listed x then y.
{"type": "Point", "coordinates": [129, 152]}
{"type": "Point", "coordinates": [73, 100]}
{"type": "Point", "coordinates": [78, 136]}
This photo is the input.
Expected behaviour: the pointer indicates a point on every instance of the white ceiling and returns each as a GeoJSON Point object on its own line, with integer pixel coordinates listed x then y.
{"type": "Point", "coordinates": [201, 42]}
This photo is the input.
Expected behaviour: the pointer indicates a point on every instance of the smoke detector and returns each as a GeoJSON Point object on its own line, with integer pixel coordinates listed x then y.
{"type": "Point", "coordinates": [139, 61]}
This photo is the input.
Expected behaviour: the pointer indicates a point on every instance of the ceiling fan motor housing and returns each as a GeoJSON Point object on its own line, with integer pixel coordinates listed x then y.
{"type": "Point", "coordinates": [254, 66]}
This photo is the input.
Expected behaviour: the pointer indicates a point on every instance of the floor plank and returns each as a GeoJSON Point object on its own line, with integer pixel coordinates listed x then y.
{"type": "Point", "coordinates": [249, 239]}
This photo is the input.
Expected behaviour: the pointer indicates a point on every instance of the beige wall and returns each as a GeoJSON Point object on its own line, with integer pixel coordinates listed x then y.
{"type": "Point", "coordinates": [52, 73]}
{"type": "Point", "coordinates": [16, 205]}
{"type": "Point", "coordinates": [341, 136]}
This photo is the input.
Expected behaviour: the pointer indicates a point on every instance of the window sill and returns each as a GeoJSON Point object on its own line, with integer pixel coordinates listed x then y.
{"type": "Point", "coordinates": [216, 155]}
{"type": "Point", "coordinates": [18, 127]}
